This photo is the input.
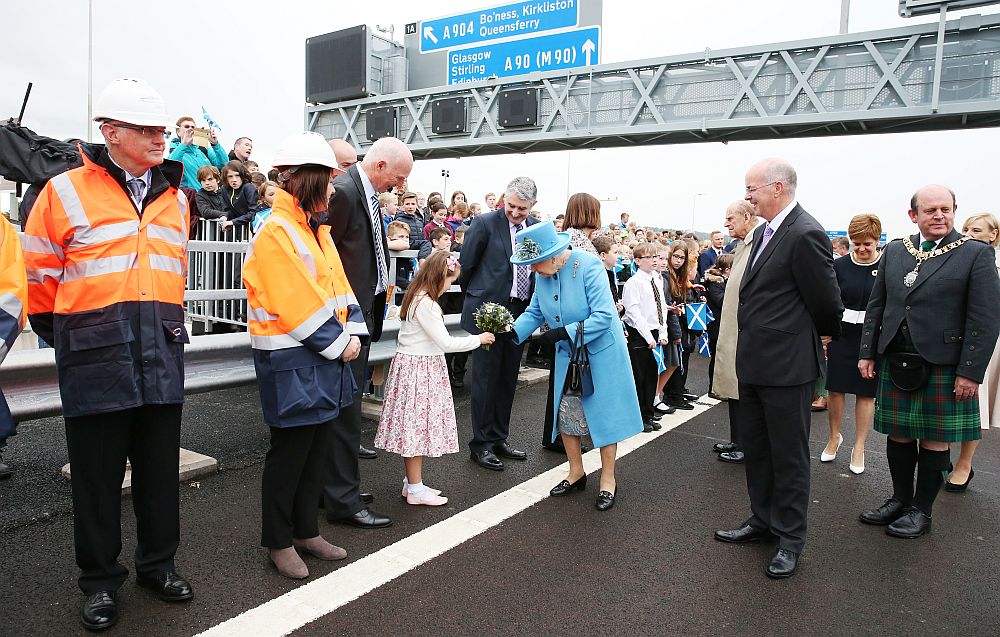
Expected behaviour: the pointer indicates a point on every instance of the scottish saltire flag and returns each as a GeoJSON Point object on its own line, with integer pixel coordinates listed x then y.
{"type": "Point", "coordinates": [709, 314]}
{"type": "Point", "coordinates": [658, 357]}
{"type": "Point", "coordinates": [633, 268]}
{"type": "Point", "coordinates": [209, 120]}
{"type": "Point", "coordinates": [697, 316]}
{"type": "Point", "coordinates": [703, 347]}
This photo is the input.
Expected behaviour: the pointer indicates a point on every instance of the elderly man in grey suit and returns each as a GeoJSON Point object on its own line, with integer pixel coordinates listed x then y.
{"type": "Point", "coordinates": [931, 323]}
{"type": "Point", "coordinates": [488, 276]}
{"type": "Point", "coordinates": [788, 298]}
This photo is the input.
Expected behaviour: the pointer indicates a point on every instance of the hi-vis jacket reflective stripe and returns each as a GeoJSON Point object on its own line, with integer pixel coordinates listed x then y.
{"type": "Point", "coordinates": [106, 285]}
{"type": "Point", "coordinates": [302, 313]}
{"type": "Point", "coordinates": [13, 302]}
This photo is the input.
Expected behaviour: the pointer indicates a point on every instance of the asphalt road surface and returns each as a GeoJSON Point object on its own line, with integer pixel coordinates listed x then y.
{"type": "Point", "coordinates": [555, 567]}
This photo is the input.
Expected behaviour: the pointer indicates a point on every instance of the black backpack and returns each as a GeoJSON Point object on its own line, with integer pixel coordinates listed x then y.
{"type": "Point", "coordinates": [29, 158]}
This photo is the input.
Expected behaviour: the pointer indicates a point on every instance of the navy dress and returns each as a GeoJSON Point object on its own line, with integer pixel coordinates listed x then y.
{"type": "Point", "coordinates": [856, 283]}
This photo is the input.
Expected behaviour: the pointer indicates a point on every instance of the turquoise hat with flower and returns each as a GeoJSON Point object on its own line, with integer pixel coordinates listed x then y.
{"type": "Point", "coordinates": [538, 242]}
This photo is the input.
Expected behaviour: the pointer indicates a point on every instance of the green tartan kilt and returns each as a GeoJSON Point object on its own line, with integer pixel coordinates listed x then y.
{"type": "Point", "coordinates": [930, 413]}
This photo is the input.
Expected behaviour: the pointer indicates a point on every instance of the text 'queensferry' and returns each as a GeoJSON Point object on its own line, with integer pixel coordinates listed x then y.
{"type": "Point", "coordinates": [525, 17]}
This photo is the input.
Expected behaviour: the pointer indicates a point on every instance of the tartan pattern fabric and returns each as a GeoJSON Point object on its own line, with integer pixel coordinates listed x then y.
{"type": "Point", "coordinates": [930, 413]}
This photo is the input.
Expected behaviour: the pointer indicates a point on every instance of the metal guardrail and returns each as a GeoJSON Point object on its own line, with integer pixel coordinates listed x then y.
{"type": "Point", "coordinates": [212, 362]}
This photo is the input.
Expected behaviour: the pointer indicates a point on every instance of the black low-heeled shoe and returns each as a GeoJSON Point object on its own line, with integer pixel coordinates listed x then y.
{"type": "Point", "coordinates": [958, 488]}
{"type": "Point", "coordinates": [565, 487]}
{"type": "Point", "coordinates": [605, 500]}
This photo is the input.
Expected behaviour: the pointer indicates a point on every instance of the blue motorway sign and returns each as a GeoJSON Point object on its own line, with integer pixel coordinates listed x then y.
{"type": "Point", "coordinates": [511, 20]}
{"type": "Point", "coordinates": [527, 55]}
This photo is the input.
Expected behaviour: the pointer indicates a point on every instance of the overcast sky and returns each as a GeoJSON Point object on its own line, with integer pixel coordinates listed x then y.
{"type": "Point", "coordinates": [244, 62]}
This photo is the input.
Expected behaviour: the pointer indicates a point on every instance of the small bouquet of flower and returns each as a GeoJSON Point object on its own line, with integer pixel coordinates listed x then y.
{"type": "Point", "coordinates": [494, 318]}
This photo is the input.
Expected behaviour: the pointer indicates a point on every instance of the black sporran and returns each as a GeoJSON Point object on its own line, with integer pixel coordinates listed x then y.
{"type": "Point", "coordinates": [579, 381]}
{"type": "Point", "coordinates": [907, 371]}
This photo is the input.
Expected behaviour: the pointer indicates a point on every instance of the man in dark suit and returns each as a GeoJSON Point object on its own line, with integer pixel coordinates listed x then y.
{"type": "Point", "coordinates": [708, 258]}
{"type": "Point", "coordinates": [488, 276]}
{"type": "Point", "coordinates": [788, 298]}
{"type": "Point", "coordinates": [355, 221]}
{"type": "Point", "coordinates": [933, 308]}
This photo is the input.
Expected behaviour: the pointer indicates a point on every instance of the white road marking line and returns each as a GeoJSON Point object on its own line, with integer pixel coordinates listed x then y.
{"type": "Point", "coordinates": [294, 609]}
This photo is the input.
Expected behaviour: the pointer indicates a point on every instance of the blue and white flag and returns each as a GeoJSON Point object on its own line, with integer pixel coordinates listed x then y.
{"type": "Point", "coordinates": [658, 357]}
{"type": "Point", "coordinates": [697, 316]}
{"type": "Point", "coordinates": [703, 346]}
{"type": "Point", "coordinates": [209, 120]}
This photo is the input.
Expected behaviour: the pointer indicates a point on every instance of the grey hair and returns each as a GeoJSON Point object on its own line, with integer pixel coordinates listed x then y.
{"type": "Point", "coordinates": [781, 170]}
{"type": "Point", "coordinates": [388, 149]}
{"type": "Point", "coordinates": [524, 187]}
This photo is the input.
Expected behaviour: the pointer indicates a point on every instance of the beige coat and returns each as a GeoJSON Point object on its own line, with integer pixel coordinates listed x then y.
{"type": "Point", "coordinates": [724, 382]}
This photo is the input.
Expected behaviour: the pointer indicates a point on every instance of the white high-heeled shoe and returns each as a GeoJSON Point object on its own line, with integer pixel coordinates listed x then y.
{"type": "Point", "coordinates": [857, 469]}
{"type": "Point", "coordinates": [830, 457]}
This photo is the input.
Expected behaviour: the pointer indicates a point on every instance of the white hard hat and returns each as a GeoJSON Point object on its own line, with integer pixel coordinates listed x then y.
{"type": "Point", "coordinates": [305, 148]}
{"type": "Point", "coordinates": [132, 102]}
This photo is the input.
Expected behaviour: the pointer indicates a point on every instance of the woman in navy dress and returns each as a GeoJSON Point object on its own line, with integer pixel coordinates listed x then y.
{"type": "Point", "coordinates": [856, 275]}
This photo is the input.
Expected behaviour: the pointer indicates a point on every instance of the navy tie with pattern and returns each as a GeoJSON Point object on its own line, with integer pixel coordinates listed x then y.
{"type": "Point", "coordinates": [523, 275]}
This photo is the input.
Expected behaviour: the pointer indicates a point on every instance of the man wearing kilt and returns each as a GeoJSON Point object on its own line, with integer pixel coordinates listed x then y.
{"type": "Point", "coordinates": [931, 326]}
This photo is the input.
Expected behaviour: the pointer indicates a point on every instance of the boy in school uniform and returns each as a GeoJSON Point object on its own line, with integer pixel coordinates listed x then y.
{"type": "Point", "coordinates": [645, 320]}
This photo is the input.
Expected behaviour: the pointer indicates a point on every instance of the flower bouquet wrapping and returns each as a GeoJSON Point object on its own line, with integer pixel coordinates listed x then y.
{"type": "Point", "coordinates": [494, 318]}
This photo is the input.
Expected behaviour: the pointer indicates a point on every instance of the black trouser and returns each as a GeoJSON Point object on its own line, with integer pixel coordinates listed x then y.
{"type": "Point", "coordinates": [774, 433]}
{"type": "Point", "coordinates": [99, 446]}
{"type": "Point", "coordinates": [644, 370]}
{"type": "Point", "coordinates": [341, 476]}
{"type": "Point", "coordinates": [291, 484]}
{"type": "Point", "coordinates": [734, 421]}
{"type": "Point", "coordinates": [713, 342]}
{"type": "Point", "coordinates": [494, 381]}
{"type": "Point", "coordinates": [457, 363]}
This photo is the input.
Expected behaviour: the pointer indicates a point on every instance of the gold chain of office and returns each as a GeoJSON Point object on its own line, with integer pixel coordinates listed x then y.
{"type": "Point", "coordinates": [921, 256]}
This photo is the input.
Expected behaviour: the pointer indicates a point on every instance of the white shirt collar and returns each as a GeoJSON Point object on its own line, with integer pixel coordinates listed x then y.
{"type": "Point", "coordinates": [643, 276]}
{"type": "Point", "coordinates": [936, 243]}
{"type": "Point", "coordinates": [367, 184]}
{"type": "Point", "coordinates": [777, 221]}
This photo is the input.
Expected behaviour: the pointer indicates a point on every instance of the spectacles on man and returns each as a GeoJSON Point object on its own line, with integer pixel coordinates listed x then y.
{"type": "Point", "coordinates": [751, 189]}
{"type": "Point", "coordinates": [146, 131]}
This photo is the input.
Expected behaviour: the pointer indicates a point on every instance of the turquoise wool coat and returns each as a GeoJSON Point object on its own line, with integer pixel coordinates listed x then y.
{"type": "Point", "coordinates": [580, 292]}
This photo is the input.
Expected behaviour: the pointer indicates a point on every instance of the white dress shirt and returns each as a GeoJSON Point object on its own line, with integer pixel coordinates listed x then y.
{"type": "Point", "coordinates": [640, 305]}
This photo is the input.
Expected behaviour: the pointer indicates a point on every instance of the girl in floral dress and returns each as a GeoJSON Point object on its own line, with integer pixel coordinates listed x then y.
{"type": "Point", "coordinates": [418, 414]}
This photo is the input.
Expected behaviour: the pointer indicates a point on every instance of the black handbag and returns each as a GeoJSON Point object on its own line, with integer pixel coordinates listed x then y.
{"type": "Point", "coordinates": [907, 371]}
{"type": "Point", "coordinates": [579, 381]}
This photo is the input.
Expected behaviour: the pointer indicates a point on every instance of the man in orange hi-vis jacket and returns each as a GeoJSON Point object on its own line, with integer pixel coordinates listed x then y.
{"type": "Point", "coordinates": [13, 298]}
{"type": "Point", "coordinates": [106, 255]}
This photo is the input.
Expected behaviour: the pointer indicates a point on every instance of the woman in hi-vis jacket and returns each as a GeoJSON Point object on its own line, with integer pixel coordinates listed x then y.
{"type": "Point", "coordinates": [305, 325]}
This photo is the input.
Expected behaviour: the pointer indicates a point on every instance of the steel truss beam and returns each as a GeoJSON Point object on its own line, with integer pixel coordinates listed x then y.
{"type": "Point", "coordinates": [884, 81]}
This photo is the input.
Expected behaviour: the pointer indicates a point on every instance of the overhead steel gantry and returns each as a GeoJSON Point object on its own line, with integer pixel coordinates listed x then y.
{"type": "Point", "coordinates": [913, 78]}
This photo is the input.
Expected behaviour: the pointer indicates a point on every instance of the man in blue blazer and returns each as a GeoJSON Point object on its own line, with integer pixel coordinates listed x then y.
{"type": "Point", "coordinates": [708, 258]}
{"type": "Point", "coordinates": [789, 306]}
{"type": "Point", "coordinates": [488, 276]}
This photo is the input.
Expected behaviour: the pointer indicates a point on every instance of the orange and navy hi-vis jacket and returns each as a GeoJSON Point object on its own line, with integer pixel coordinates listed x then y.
{"type": "Point", "coordinates": [302, 313]}
{"type": "Point", "coordinates": [106, 284]}
{"type": "Point", "coordinates": [13, 302]}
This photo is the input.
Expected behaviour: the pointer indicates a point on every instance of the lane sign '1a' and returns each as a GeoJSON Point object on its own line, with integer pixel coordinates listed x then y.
{"type": "Point", "coordinates": [527, 55]}
{"type": "Point", "coordinates": [512, 20]}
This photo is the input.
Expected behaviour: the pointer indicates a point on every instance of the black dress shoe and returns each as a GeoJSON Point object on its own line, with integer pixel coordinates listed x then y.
{"type": "Point", "coordinates": [566, 486]}
{"type": "Point", "coordinates": [487, 460]}
{"type": "Point", "coordinates": [948, 486]}
{"type": "Point", "coordinates": [365, 519]}
{"type": "Point", "coordinates": [681, 404]}
{"type": "Point", "coordinates": [169, 586]}
{"type": "Point", "coordinates": [556, 447]}
{"type": "Point", "coordinates": [888, 513]}
{"type": "Point", "coordinates": [722, 447]}
{"type": "Point", "coordinates": [505, 450]}
{"type": "Point", "coordinates": [367, 498]}
{"type": "Point", "coordinates": [647, 426]}
{"type": "Point", "coordinates": [605, 500]}
{"type": "Point", "coordinates": [732, 457]}
{"type": "Point", "coordinates": [783, 564]}
{"type": "Point", "coordinates": [912, 524]}
{"type": "Point", "coordinates": [366, 453]}
{"type": "Point", "coordinates": [688, 396]}
{"type": "Point", "coordinates": [742, 535]}
{"type": "Point", "coordinates": [100, 611]}
{"type": "Point", "coordinates": [457, 383]}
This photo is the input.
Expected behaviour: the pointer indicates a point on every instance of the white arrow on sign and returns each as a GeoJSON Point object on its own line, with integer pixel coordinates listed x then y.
{"type": "Point", "coordinates": [588, 48]}
{"type": "Point", "coordinates": [429, 34]}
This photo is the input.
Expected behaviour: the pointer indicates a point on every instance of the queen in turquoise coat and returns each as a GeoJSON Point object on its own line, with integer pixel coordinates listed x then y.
{"type": "Point", "coordinates": [571, 289]}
